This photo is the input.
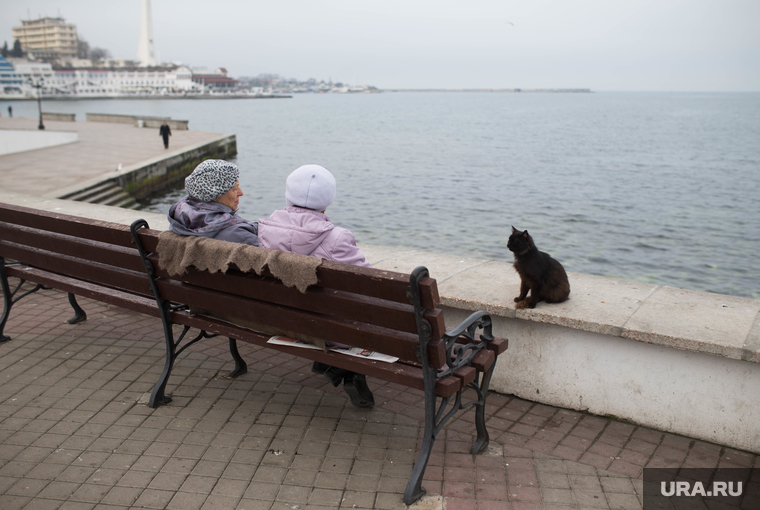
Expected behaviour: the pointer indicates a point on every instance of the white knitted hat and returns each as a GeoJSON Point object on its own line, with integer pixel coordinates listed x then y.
{"type": "Point", "coordinates": [211, 179]}
{"type": "Point", "coordinates": [311, 187]}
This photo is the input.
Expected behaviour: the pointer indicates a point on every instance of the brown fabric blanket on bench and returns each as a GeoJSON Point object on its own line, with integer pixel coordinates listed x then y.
{"type": "Point", "coordinates": [176, 253]}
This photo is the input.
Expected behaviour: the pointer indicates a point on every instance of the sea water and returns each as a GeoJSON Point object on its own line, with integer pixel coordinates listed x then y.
{"type": "Point", "coordinates": [655, 187]}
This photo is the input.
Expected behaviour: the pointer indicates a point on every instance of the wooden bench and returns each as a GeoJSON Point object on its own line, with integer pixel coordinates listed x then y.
{"type": "Point", "coordinates": [384, 311]}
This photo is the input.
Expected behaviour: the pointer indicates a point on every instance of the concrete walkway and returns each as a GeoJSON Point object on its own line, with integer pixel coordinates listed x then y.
{"type": "Point", "coordinates": [75, 432]}
{"type": "Point", "coordinates": [102, 147]}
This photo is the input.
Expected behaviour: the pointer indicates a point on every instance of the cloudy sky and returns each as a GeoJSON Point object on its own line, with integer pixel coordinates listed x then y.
{"type": "Point", "coordinates": [673, 45]}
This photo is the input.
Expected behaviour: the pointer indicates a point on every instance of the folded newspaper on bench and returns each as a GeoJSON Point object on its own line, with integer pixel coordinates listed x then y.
{"type": "Point", "coordinates": [350, 351]}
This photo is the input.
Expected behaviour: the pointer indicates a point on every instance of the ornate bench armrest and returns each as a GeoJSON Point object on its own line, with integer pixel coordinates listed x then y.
{"type": "Point", "coordinates": [463, 343]}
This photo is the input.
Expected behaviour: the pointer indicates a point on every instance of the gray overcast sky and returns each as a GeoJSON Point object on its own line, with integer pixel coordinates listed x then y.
{"type": "Point", "coordinates": [681, 45]}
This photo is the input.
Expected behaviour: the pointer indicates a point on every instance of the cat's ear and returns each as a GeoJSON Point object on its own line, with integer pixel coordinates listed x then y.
{"type": "Point", "coordinates": [525, 234]}
{"type": "Point", "coordinates": [514, 230]}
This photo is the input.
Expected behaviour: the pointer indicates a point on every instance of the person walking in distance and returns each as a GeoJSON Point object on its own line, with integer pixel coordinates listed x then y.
{"type": "Point", "coordinates": [165, 132]}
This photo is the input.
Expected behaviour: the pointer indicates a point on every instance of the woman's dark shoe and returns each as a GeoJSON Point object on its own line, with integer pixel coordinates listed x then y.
{"type": "Point", "coordinates": [356, 387]}
{"type": "Point", "coordinates": [335, 374]}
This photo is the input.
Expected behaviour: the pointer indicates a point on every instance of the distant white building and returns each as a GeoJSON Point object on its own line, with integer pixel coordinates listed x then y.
{"type": "Point", "coordinates": [103, 81]}
{"type": "Point", "coordinates": [123, 81]}
{"type": "Point", "coordinates": [214, 81]}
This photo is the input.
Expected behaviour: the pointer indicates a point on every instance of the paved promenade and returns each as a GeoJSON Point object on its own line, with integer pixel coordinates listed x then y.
{"type": "Point", "coordinates": [75, 432]}
{"type": "Point", "coordinates": [101, 148]}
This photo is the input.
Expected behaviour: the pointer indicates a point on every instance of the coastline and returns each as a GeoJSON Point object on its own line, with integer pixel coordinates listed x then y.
{"type": "Point", "coordinates": [530, 91]}
{"type": "Point", "coordinates": [195, 96]}
{"type": "Point", "coordinates": [289, 95]}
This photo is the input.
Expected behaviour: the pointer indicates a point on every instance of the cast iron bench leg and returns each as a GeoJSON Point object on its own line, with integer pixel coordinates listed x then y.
{"type": "Point", "coordinates": [158, 397]}
{"type": "Point", "coordinates": [481, 443]}
{"type": "Point", "coordinates": [7, 300]}
{"type": "Point", "coordinates": [79, 314]}
{"type": "Point", "coordinates": [9, 297]}
{"type": "Point", "coordinates": [240, 365]}
{"type": "Point", "coordinates": [414, 488]}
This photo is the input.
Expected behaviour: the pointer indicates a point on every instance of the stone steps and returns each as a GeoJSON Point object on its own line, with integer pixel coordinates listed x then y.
{"type": "Point", "coordinates": [104, 193]}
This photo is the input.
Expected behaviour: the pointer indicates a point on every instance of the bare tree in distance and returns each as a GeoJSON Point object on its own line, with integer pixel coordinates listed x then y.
{"type": "Point", "coordinates": [99, 54]}
{"type": "Point", "coordinates": [83, 48]}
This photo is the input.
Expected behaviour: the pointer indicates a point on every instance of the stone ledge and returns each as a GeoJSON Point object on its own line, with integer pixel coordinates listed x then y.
{"type": "Point", "coordinates": [683, 319]}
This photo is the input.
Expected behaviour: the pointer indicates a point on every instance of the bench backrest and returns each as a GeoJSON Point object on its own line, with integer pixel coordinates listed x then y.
{"type": "Point", "coordinates": [362, 307]}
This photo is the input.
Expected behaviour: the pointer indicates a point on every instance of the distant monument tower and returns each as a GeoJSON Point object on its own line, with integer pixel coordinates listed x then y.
{"type": "Point", "coordinates": [145, 52]}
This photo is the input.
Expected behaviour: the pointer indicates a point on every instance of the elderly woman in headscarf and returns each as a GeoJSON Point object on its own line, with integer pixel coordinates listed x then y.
{"type": "Point", "coordinates": [210, 207]}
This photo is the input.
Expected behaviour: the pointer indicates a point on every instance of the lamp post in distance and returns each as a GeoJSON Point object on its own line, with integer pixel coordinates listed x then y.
{"type": "Point", "coordinates": [38, 84]}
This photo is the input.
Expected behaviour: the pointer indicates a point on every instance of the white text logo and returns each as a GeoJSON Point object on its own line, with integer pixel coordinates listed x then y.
{"type": "Point", "coordinates": [698, 489]}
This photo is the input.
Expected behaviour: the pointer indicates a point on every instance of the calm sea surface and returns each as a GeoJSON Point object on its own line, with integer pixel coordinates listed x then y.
{"type": "Point", "coordinates": [656, 187]}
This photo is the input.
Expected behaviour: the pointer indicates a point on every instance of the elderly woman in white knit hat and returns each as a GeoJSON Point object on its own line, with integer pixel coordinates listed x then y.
{"type": "Point", "coordinates": [302, 227]}
{"type": "Point", "coordinates": [210, 207]}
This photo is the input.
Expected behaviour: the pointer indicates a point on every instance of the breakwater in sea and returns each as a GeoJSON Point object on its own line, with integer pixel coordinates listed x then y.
{"type": "Point", "coordinates": [654, 187]}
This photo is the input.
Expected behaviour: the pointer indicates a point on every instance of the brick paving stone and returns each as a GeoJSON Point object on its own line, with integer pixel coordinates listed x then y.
{"type": "Point", "coordinates": [633, 457]}
{"type": "Point", "coordinates": [540, 446]}
{"type": "Point", "coordinates": [557, 496]}
{"type": "Point", "coordinates": [595, 460]}
{"type": "Point", "coordinates": [617, 485]}
{"type": "Point", "coordinates": [563, 452]}
{"type": "Point", "coordinates": [628, 469]}
{"type": "Point", "coordinates": [590, 499]}
{"type": "Point", "coordinates": [187, 501]}
{"type": "Point", "coordinates": [553, 480]}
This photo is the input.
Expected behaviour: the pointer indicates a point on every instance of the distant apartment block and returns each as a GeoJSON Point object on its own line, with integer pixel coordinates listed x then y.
{"type": "Point", "coordinates": [47, 38]}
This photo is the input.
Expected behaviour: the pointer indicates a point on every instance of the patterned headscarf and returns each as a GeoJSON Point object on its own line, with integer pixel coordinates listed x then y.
{"type": "Point", "coordinates": [211, 179]}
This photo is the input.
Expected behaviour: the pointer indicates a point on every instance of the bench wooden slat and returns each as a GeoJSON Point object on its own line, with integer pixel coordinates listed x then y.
{"type": "Point", "coordinates": [95, 230]}
{"type": "Point", "coordinates": [399, 372]}
{"type": "Point", "coordinates": [284, 320]}
{"type": "Point", "coordinates": [146, 305]}
{"type": "Point", "coordinates": [329, 302]}
{"type": "Point", "coordinates": [114, 255]}
{"type": "Point", "coordinates": [94, 272]}
{"type": "Point", "coordinates": [498, 345]}
{"type": "Point", "coordinates": [483, 360]}
{"type": "Point", "coordinates": [466, 375]}
{"type": "Point", "coordinates": [385, 284]}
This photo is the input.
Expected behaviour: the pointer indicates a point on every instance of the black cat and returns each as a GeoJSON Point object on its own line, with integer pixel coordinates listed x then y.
{"type": "Point", "coordinates": [540, 274]}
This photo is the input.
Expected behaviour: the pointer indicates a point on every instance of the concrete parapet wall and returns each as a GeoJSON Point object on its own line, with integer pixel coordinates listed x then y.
{"type": "Point", "coordinates": [176, 125]}
{"type": "Point", "coordinates": [64, 117]}
{"type": "Point", "coordinates": [108, 117]}
{"type": "Point", "coordinates": [676, 360]}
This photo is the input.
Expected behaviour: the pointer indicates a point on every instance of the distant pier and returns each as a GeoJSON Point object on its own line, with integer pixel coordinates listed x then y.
{"type": "Point", "coordinates": [110, 163]}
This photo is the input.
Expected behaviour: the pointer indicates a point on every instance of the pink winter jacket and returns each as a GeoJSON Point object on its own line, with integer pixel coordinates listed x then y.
{"type": "Point", "coordinates": [308, 232]}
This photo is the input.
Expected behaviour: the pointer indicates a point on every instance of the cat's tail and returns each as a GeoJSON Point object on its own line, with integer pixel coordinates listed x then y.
{"type": "Point", "coordinates": [559, 291]}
